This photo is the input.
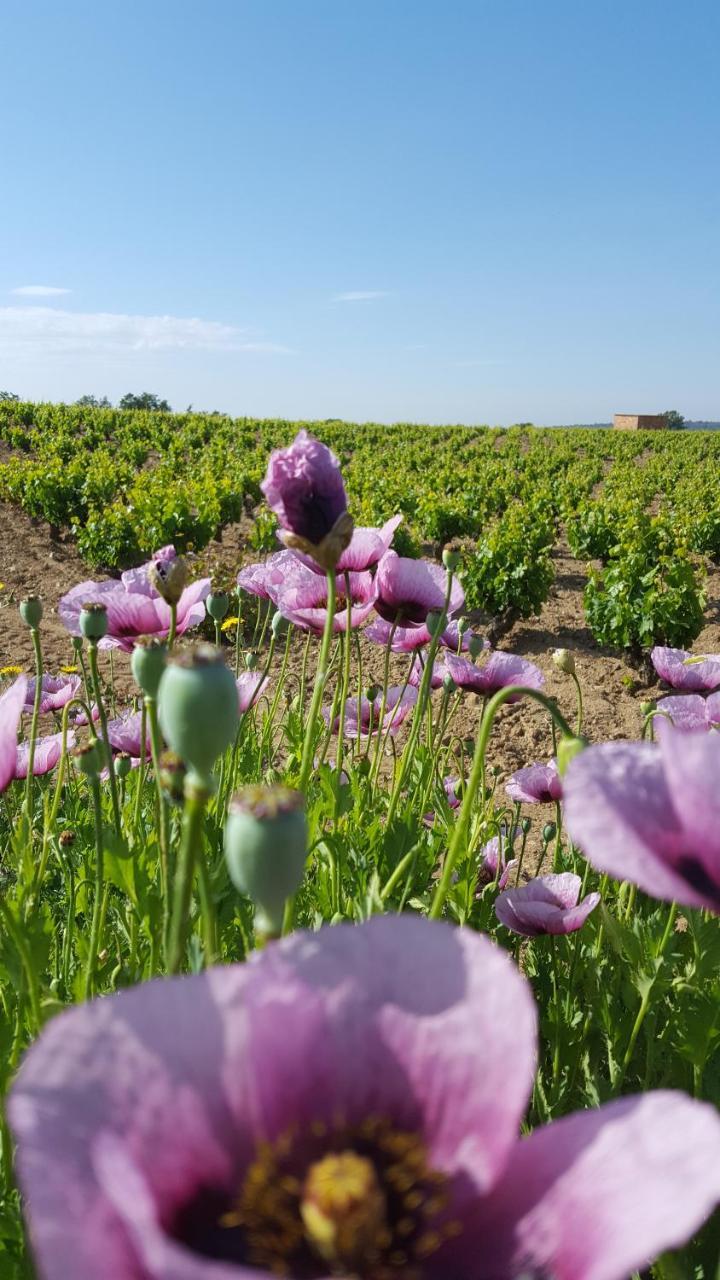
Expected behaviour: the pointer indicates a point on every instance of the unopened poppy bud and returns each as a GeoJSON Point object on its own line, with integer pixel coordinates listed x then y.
{"type": "Point", "coordinates": [647, 708]}
{"type": "Point", "coordinates": [252, 660]}
{"type": "Point", "coordinates": [168, 574]}
{"type": "Point", "coordinates": [217, 605]}
{"type": "Point", "coordinates": [567, 749]}
{"type": "Point", "coordinates": [148, 663]}
{"type": "Point", "coordinates": [564, 661]}
{"type": "Point", "coordinates": [198, 707]}
{"type": "Point", "coordinates": [278, 624]}
{"type": "Point", "coordinates": [372, 693]}
{"type": "Point", "coordinates": [475, 646]}
{"type": "Point", "coordinates": [122, 764]}
{"type": "Point", "coordinates": [77, 644]}
{"type": "Point", "coordinates": [93, 621]}
{"type": "Point", "coordinates": [89, 758]}
{"type": "Point", "coordinates": [449, 684]}
{"type": "Point", "coordinates": [525, 826]}
{"type": "Point", "coordinates": [31, 611]}
{"type": "Point", "coordinates": [451, 559]}
{"type": "Point", "coordinates": [463, 625]}
{"type": "Point", "coordinates": [433, 623]}
{"type": "Point", "coordinates": [549, 832]}
{"type": "Point", "coordinates": [266, 849]}
{"type": "Point", "coordinates": [171, 773]}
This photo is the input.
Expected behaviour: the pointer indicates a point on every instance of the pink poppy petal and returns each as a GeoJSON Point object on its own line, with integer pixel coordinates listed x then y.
{"type": "Point", "coordinates": [601, 1194]}
{"type": "Point", "coordinates": [12, 702]}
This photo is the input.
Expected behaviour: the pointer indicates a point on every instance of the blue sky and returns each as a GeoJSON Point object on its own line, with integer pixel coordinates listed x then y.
{"type": "Point", "coordinates": [428, 210]}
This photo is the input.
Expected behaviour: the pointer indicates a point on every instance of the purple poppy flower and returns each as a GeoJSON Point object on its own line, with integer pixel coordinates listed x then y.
{"type": "Point", "coordinates": [689, 712]}
{"type": "Point", "coordinates": [229, 1125]}
{"type": "Point", "coordinates": [408, 590]}
{"type": "Point", "coordinates": [56, 691]}
{"type": "Point", "coordinates": [548, 904]}
{"type": "Point", "coordinates": [683, 670]}
{"type": "Point", "coordinates": [404, 639]}
{"type": "Point", "coordinates": [399, 703]}
{"type": "Point", "coordinates": [500, 671]}
{"type": "Point", "coordinates": [47, 753]}
{"type": "Point", "coordinates": [134, 607]}
{"type": "Point", "coordinates": [452, 639]}
{"type": "Point", "coordinates": [250, 687]}
{"type": "Point", "coordinates": [304, 487]}
{"type": "Point", "coordinates": [366, 548]}
{"type": "Point", "coordinates": [124, 734]}
{"type": "Point", "coordinates": [281, 569]}
{"type": "Point", "coordinates": [493, 858]}
{"type": "Point", "coordinates": [537, 784]}
{"type": "Point", "coordinates": [439, 671]}
{"type": "Point", "coordinates": [12, 702]}
{"type": "Point", "coordinates": [451, 787]}
{"type": "Point", "coordinates": [650, 813]}
{"type": "Point", "coordinates": [304, 601]}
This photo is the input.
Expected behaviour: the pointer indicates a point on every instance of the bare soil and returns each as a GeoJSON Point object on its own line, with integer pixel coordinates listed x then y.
{"type": "Point", "coordinates": [33, 558]}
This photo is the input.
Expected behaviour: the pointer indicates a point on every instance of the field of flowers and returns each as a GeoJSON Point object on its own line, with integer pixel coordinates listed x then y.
{"type": "Point", "coordinates": [292, 981]}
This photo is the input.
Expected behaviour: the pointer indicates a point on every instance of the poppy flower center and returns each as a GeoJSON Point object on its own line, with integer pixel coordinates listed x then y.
{"type": "Point", "coordinates": [360, 1202]}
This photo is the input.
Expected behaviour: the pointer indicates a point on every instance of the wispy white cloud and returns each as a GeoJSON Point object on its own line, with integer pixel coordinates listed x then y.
{"type": "Point", "coordinates": [49, 329]}
{"type": "Point", "coordinates": [361, 295]}
{"type": "Point", "coordinates": [39, 291]}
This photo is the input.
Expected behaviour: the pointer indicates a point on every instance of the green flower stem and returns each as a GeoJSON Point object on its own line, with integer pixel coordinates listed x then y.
{"type": "Point", "coordinates": [556, 1001]}
{"type": "Point", "coordinates": [196, 796]}
{"type": "Point", "coordinates": [37, 648]}
{"type": "Point", "coordinates": [319, 685]}
{"type": "Point", "coordinates": [347, 643]}
{"type": "Point", "coordinates": [303, 673]}
{"type": "Point", "coordinates": [558, 837]}
{"type": "Point", "coordinates": [421, 704]}
{"type": "Point", "coordinates": [207, 912]}
{"type": "Point", "coordinates": [107, 749]}
{"type": "Point", "coordinates": [150, 707]}
{"type": "Point", "coordinates": [399, 872]}
{"type": "Point", "coordinates": [51, 818]}
{"type": "Point", "coordinates": [580, 711]}
{"type": "Point", "coordinates": [645, 1002]}
{"type": "Point", "coordinates": [140, 780]}
{"type": "Point", "coordinates": [97, 912]}
{"type": "Point", "coordinates": [17, 935]}
{"type": "Point", "coordinates": [476, 779]}
{"type": "Point", "coordinates": [386, 734]}
{"type": "Point", "coordinates": [173, 627]}
{"type": "Point", "coordinates": [383, 704]}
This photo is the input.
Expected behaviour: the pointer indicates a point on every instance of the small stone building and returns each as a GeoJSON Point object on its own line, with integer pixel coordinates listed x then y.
{"type": "Point", "coordinates": [639, 421]}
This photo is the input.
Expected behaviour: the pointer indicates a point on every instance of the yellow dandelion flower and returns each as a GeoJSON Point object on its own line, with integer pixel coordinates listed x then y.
{"type": "Point", "coordinates": [10, 671]}
{"type": "Point", "coordinates": [69, 671]}
{"type": "Point", "coordinates": [229, 623]}
{"type": "Point", "coordinates": [2, 586]}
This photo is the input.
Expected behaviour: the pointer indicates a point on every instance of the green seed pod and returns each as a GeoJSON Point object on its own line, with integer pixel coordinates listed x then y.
{"type": "Point", "coordinates": [198, 707]}
{"type": "Point", "coordinates": [451, 559]}
{"type": "Point", "coordinates": [475, 646]}
{"type": "Point", "coordinates": [89, 758]}
{"type": "Point", "coordinates": [31, 611]}
{"type": "Point", "coordinates": [252, 660]}
{"type": "Point", "coordinates": [279, 624]}
{"type": "Point", "coordinates": [525, 826]}
{"type": "Point", "coordinates": [463, 625]}
{"type": "Point", "coordinates": [93, 621]}
{"type": "Point", "coordinates": [432, 622]}
{"type": "Point", "coordinates": [266, 849]}
{"type": "Point", "coordinates": [77, 644]}
{"type": "Point", "coordinates": [122, 764]}
{"type": "Point", "coordinates": [148, 663]}
{"type": "Point", "coordinates": [567, 749]}
{"type": "Point", "coordinates": [647, 707]}
{"type": "Point", "coordinates": [372, 693]}
{"type": "Point", "coordinates": [449, 684]}
{"type": "Point", "coordinates": [549, 832]}
{"type": "Point", "coordinates": [564, 661]}
{"type": "Point", "coordinates": [217, 605]}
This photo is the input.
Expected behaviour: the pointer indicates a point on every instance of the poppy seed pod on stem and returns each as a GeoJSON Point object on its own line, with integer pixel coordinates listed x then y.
{"type": "Point", "coordinates": [564, 661]}
{"type": "Point", "coordinates": [217, 605]}
{"type": "Point", "coordinates": [266, 849]}
{"type": "Point", "coordinates": [31, 611]}
{"type": "Point", "coordinates": [148, 663]}
{"type": "Point", "coordinates": [168, 574]}
{"type": "Point", "coordinates": [198, 707]}
{"type": "Point", "coordinates": [93, 621]}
